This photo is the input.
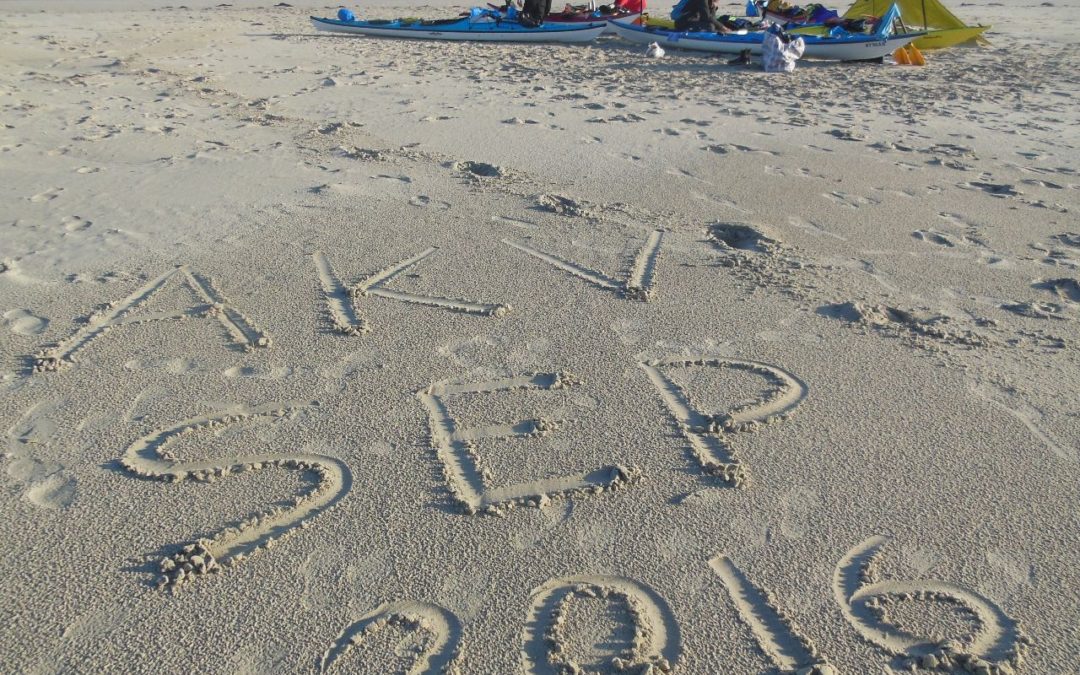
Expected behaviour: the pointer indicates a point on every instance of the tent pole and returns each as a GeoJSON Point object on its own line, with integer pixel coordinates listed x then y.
{"type": "Point", "coordinates": [924, 13]}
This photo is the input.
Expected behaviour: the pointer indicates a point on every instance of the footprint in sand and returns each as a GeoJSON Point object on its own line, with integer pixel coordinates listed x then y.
{"type": "Point", "coordinates": [48, 484]}
{"type": "Point", "coordinates": [425, 201]}
{"type": "Point", "coordinates": [258, 373]}
{"type": "Point", "coordinates": [1042, 183]}
{"type": "Point", "coordinates": [1001, 190]}
{"type": "Point", "coordinates": [1065, 288]}
{"type": "Point", "coordinates": [730, 148]}
{"type": "Point", "coordinates": [1070, 239]}
{"type": "Point", "coordinates": [87, 169]}
{"type": "Point", "coordinates": [516, 222]}
{"type": "Point", "coordinates": [75, 223]}
{"type": "Point", "coordinates": [56, 491]}
{"type": "Point", "coordinates": [48, 195]}
{"type": "Point", "coordinates": [932, 237]}
{"type": "Point", "coordinates": [402, 179]}
{"type": "Point", "coordinates": [801, 172]}
{"type": "Point", "coordinates": [23, 322]}
{"type": "Point", "coordinates": [848, 200]}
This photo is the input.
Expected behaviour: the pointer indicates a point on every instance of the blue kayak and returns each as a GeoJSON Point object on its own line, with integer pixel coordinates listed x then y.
{"type": "Point", "coordinates": [486, 28]}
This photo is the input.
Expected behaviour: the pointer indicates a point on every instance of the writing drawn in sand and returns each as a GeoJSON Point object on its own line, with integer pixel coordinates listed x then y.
{"type": "Point", "coordinates": [441, 630]}
{"type": "Point", "coordinates": [150, 457]}
{"type": "Point", "coordinates": [710, 434]}
{"type": "Point", "coordinates": [341, 300]}
{"type": "Point", "coordinates": [455, 447]}
{"type": "Point", "coordinates": [211, 304]}
{"type": "Point", "coordinates": [865, 598]}
{"type": "Point", "coordinates": [637, 283]}
{"type": "Point", "coordinates": [653, 644]}
{"type": "Point", "coordinates": [783, 644]}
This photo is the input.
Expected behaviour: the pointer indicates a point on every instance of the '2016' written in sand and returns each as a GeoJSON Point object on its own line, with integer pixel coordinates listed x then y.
{"type": "Point", "coordinates": [709, 436]}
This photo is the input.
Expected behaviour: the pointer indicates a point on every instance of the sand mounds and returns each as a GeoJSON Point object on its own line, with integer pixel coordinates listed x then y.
{"type": "Point", "coordinates": [925, 329]}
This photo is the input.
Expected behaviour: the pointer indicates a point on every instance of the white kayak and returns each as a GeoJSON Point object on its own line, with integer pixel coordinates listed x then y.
{"type": "Point", "coordinates": [485, 29]}
{"type": "Point", "coordinates": [840, 46]}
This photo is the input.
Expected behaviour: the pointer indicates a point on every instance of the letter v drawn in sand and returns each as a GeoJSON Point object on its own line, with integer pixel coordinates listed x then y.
{"type": "Point", "coordinates": [709, 434]}
{"type": "Point", "coordinates": [211, 303]}
{"type": "Point", "coordinates": [443, 630]}
{"type": "Point", "coordinates": [341, 299]}
{"type": "Point", "coordinates": [455, 448]}
{"type": "Point", "coordinates": [637, 283]}
{"type": "Point", "coordinates": [149, 457]}
{"type": "Point", "coordinates": [546, 640]}
{"type": "Point", "coordinates": [996, 646]}
{"type": "Point", "coordinates": [786, 647]}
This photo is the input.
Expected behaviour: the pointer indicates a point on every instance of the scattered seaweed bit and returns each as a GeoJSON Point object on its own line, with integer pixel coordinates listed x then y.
{"type": "Point", "coordinates": [563, 206]}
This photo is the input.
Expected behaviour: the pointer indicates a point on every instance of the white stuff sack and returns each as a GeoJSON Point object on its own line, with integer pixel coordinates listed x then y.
{"type": "Point", "coordinates": [654, 51]}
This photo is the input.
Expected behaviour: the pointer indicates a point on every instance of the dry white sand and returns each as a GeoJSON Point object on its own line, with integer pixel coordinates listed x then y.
{"type": "Point", "coordinates": [331, 352]}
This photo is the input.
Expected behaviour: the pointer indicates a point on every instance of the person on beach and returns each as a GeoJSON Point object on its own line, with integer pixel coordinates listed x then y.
{"type": "Point", "coordinates": [779, 52]}
{"type": "Point", "coordinates": [534, 12]}
{"type": "Point", "coordinates": [697, 16]}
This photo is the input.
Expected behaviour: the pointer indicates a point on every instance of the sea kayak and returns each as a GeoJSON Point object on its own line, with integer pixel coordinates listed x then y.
{"type": "Point", "coordinates": [837, 46]}
{"type": "Point", "coordinates": [575, 19]}
{"type": "Point", "coordinates": [590, 17]}
{"type": "Point", "coordinates": [485, 29]}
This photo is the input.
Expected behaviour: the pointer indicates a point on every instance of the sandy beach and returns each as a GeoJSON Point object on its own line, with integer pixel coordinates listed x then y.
{"type": "Point", "coordinates": [346, 354]}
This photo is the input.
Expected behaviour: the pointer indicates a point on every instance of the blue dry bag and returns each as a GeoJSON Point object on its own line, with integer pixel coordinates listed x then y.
{"type": "Point", "coordinates": [751, 8]}
{"type": "Point", "coordinates": [345, 15]}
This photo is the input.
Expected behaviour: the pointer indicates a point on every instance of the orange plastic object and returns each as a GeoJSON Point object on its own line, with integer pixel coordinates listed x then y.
{"type": "Point", "coordinates": [915, 56]}
{"type": "Point", "coordinates": [901, 57]}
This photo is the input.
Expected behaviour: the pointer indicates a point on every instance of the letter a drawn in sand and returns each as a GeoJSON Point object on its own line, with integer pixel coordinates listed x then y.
{"type": "Point", "coordinates": [211, 303]}
{"type": "Point", "coordinates": [341, 299]}
{"type": "Point", "coordinates": [455, 448]}
{"type": "Point", "coordinates": [442, 629]}
{"type": "Point", "coordinates": [636, 284]}
{"type": "Point", "coordinates": [709, 434]}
